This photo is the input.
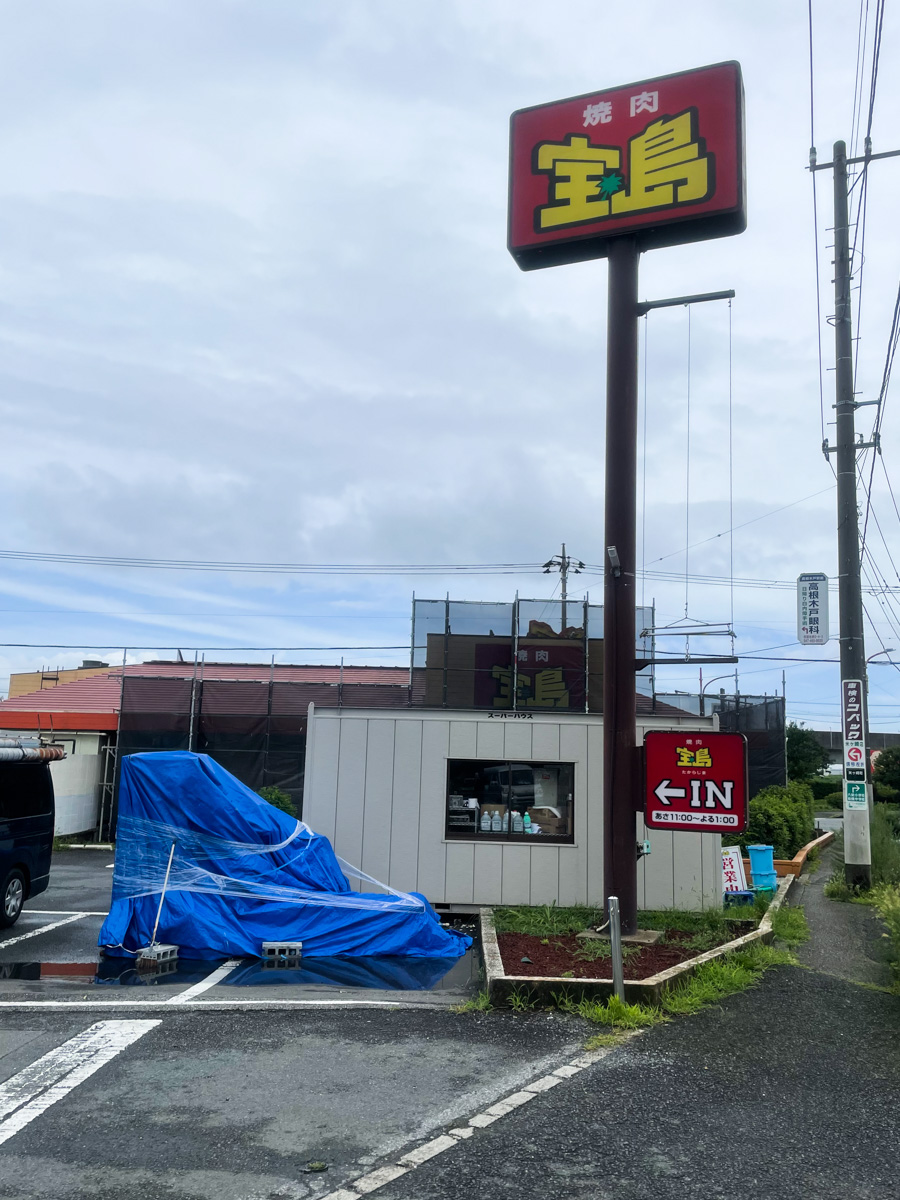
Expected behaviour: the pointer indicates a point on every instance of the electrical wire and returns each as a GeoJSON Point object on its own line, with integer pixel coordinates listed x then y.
{"type": "Point", "coordinates": [171, 564]}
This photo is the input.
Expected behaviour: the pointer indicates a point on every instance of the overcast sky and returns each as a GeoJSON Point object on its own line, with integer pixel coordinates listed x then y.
{"type": "Point", "coordinates": [256, 305]}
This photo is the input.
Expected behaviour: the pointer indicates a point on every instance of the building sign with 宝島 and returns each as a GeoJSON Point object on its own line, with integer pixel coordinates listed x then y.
{"type": "Point", "coordinates": [695, 781]}
{"type": "Point", "coordinates": [854, 740]}
{"type": "Point", "coordinates": [812, 609]}
{"type": "Point", "coordinates": [662, 160]}
{"type": "Point", "coordinates": [546, 676]}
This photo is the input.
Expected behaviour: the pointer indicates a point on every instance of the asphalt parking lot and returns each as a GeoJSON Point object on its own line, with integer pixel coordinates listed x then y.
{"type": "Point", "coordinates": [50, 957]}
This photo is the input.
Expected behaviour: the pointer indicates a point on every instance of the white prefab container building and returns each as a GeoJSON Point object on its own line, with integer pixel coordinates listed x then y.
{"type": "Point", "coordinates": [376, 784]}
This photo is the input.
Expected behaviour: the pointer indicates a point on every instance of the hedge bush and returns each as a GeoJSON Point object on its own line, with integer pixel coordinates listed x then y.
{"type": "Point", "coordinates": [822, 786]}
{"type": "Point", "coordinates": [781, 817]}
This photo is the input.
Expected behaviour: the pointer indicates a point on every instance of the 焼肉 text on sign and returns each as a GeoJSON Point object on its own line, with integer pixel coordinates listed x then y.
{"type": "Point", "coordinates": [662, 160]}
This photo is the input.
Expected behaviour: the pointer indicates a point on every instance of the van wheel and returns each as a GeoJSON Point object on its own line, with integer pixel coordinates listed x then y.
{"type": "Point", "coordinates": [13, 898]}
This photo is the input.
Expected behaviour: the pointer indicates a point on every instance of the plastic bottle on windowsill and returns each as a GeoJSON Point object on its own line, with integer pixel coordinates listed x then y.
{"type": "Point", "coordinates": [518, 823]}
{"type": "Point", "coordinates": [526, 823]}
{"type": "Point", "coordinates": [496, 823]}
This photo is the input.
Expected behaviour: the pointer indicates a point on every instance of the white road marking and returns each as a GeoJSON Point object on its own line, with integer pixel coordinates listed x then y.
{"type": "Point", "coordinates": [61, 912]}
{"type": "Point", "coordinates": [376, 1179]}
{"type": "Point", "coordinates": [33, 1090]}
{"type": "Point", "coordinates": [205, 984]}
{"type": "Point", "coordinates": [421, 1154]}
{"type": "Point", "coordinates": [43, 929]}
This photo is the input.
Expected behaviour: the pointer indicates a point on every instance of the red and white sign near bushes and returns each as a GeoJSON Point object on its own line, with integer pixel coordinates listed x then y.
{"type": "Point", "coordinates": [695, 781]}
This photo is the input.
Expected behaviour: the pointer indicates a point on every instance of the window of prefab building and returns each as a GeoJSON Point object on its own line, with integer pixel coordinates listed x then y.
{"type": "Point", "coordinates": [510, 801]}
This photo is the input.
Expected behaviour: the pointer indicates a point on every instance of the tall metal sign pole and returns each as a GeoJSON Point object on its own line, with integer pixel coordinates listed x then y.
{"type": "Point", "coordinates": [612, 174]}
{"type": "Point", "coordinates": [621, 775]}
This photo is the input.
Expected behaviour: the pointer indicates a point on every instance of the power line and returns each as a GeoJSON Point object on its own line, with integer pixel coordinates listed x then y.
{"type": "Point", "coordinates": [172, 564]}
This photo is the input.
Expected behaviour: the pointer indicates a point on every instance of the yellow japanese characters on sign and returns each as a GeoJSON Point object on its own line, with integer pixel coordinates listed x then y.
{"type": "Point", "coordinates": [667, 166]}
{"type": "Point", "coordinates": [700, 757]}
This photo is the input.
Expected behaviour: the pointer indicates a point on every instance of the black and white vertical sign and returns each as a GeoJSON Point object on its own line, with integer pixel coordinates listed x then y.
{"type": "Point", "coordinates": [812, 609]}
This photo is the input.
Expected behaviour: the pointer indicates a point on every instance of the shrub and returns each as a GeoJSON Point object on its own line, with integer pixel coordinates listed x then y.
{"type": "Point", "coordinates": [823, 787]}
{"type": "Point", "coordinates": [278, 799]}
{"type": "Point", "coordinates": [887, 767]}
{"type": "Point", "coordinates": [885, 849]}
{"type": "Point", "coordinates": [781, 817]}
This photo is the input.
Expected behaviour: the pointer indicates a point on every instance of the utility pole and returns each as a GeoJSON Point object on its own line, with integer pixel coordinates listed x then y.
{"type": "Point", "coordinates": [857, 842]}
{"type": "Point", "coordinates": [564, 565]}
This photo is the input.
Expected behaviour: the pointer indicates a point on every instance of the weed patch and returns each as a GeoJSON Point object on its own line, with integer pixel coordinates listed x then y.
{"type": "Point", "coordinates": [479, 1003]}
{"type": "Point", "coordinates": [789, 925]}
{"type": "Point", "coordinates": [613, 1012]}
{"type": "Point", "coordinates": [546, 919]}
{"type": "Point", "coordinates": [723, 977]}
{"type": "Point", "coordinates": [601, 1041]}
{"type": "Point", "coordinates": [522, 999]}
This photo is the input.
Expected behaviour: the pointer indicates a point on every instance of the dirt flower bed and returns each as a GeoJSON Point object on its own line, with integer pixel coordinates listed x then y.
{"type": "Point", "coordinates": [567, 956]}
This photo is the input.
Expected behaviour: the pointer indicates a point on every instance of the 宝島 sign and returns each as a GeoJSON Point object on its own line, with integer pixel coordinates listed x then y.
{"type": "Point", "coordinates": [695, 781]}
{"type": "Point", "coordinates": [662, 160]}
{"type": "Point", "coordinates": [854, 743]}
{"type": "Point", "coordinates": [733, 877]}
{"type": "Point", "coordinates": [812, 609]}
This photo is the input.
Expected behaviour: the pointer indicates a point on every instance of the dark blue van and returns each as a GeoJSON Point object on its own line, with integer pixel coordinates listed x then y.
{"type": "Point", "coordinates": [26, 834]}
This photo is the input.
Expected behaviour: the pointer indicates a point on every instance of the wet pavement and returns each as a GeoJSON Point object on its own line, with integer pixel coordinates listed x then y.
{"type": "Point", "coordinates": [51, 955]}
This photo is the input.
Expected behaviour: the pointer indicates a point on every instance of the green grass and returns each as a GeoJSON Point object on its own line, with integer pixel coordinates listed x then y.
{"type": "Point", "coordinates": [592, 949]}
{"type": "Point", "coordinates": [546, 919]}
{"type": "Point", "coordinates": [479, 1003]}
{"type": "Point", "coordinates": [522, 999]}
{"type": "Point", "coordinates": [724, 977]}
{"type": "Point", "coordinates": [603, 1041]}
{"type": "Point", "coordinates": [789, 925]}
{"type": "Point", "coordinates": [886, 899]}
{"type": "Point", "coordinates": [612, 1012]}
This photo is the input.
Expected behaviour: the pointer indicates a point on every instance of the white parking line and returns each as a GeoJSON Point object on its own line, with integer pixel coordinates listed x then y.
{"type": "Point", "coordinates": [375, 1179]}
{"type": "Point", "coordinates": [205, 984]}
{"type": "Point", "coordinates": [60, 912]}
{"type": "Point", "coordinates": [43, 929]}
{"type": "Point", "coordinates": [28, 1094]}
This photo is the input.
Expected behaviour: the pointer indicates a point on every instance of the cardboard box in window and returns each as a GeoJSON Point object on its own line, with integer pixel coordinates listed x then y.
{"type": "Point", "coordinates": [551, 820]}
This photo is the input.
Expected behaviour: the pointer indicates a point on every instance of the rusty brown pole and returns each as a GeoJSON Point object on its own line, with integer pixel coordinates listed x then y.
{"type": "Point", "coordinates": [620, 774]}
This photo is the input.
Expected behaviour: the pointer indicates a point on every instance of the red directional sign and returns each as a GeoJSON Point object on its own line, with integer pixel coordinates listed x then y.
{"type": "Point", "coordinates": [696, 781]}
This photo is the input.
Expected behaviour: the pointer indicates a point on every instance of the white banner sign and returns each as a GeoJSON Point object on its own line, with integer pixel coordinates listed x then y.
{"type": "Point", "coordinates": [812, 609]}
{"type": "Point", "coordinates": [733, 877]}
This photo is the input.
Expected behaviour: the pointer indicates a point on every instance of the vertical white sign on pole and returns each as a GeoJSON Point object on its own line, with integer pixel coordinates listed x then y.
{"type": "Point", "coordinates": [812, 609]}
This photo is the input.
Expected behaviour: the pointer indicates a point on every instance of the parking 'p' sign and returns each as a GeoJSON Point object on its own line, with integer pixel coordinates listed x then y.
{"type": "Point", "coordinates": [695, 781]}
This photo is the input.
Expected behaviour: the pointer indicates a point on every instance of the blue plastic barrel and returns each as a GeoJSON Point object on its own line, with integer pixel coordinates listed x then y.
{"type": "Point", "coordinates": [765, 881]}
{"type": "Point", "coordinates": [762, 862]}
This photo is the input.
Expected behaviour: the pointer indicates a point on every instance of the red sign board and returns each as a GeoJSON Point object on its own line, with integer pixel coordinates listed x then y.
{"type": "Point", "coordinates": [662, 159]}
{"type": "Point", "coordinates": [695, 781]}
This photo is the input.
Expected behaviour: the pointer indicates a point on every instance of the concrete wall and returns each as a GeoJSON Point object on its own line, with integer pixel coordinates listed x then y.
{"type": "Point", "coordinates": [76, 785]}
{"type": "Point", "coordinates": [376, 784]}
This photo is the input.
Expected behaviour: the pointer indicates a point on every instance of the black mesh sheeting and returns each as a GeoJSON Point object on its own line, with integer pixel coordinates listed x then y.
{"type": "Point", "coordinates": [255, 730]}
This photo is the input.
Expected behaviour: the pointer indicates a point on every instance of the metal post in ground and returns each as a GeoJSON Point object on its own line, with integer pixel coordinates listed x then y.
{"type": "Point", "coordinates": [615, 938]}
{"type": "Point", "coordinates": [619, 598]}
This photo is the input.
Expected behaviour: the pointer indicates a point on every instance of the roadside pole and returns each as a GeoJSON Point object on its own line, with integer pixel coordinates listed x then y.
{"type": "Point", "coordinates": [857, 842]}
{"type": "Point", "coordinates": [620, 783]}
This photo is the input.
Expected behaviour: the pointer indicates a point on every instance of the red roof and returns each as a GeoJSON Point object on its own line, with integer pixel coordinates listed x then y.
{"type": "Point", "coordinates": [93, 703]}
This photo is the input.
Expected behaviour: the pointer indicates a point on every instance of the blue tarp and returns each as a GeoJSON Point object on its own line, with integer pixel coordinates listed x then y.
{"type": "Point", "coordinates": [243, 873]}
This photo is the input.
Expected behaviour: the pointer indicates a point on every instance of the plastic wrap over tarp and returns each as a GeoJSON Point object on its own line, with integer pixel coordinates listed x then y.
{"type": "Point", "coordinates": [243, 873]}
